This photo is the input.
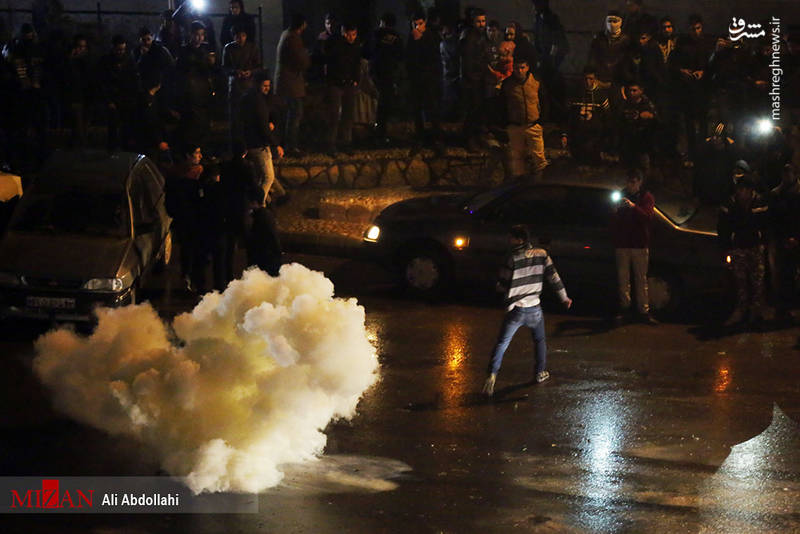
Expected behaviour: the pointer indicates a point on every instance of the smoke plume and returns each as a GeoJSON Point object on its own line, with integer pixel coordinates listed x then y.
{"type": "Point", "coordinates": [243, 383]}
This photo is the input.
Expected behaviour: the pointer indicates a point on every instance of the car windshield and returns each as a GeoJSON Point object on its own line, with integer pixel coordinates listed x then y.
{"type": "Point", "coordinates": [676, 208]}
{"type": "Point", "coordinates": [73, 211]}
{"type": "Point", "coordinates": [479, 200]}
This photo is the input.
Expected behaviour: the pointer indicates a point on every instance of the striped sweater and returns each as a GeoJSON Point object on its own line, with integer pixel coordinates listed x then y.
{"type": "Point", "coordinates": [521, 277]}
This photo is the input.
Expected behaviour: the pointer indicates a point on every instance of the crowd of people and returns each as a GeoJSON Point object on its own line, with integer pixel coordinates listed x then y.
{"type": "Point", "coordinates": [647, 92]}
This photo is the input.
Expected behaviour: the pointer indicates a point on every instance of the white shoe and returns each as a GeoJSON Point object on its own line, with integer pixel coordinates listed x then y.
{"type": "Point", "coordinates": [541, 376]}
{"type": "Point", "coordinates": [488, 386]}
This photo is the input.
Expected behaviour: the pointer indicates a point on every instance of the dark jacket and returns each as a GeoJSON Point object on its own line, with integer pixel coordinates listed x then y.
{"type": "Point", "coordinates": [293, 62]}
{"type": "Point", "coordinates": [385, 55]}
{"type": "Point", "coordinates": [423, 61]}
{"type": "Point", "coordinates": [630, 227]}
{"type": "Point", "coordinates": [606, 53]}
{"type": "Point", "coordinates": [548, 31]}
{"type": "Point", "coordinates": [119, 82]}
{"type": "Point", "coordinates": [193, 72]}
{"type": "Point", "coordinates": [743, 226]}
{"type": "Point", "coordinates": [342, 60]}
{"type": "Point", "coordinates": [475, 54]}
{"type": "Point", "coordinates": [78, 80]}
{"type": "Point", "coordinates": [241, 191]}
{"type": "Point", "coordinates": [257, 111]}
{"type": "Point", "coordinates": [785, 211]}
{"type": "Point", "coordinates": [154, 65]}
{"type": "Point", "coordinates": [234, 58]}
{"type": "Point", "coordinates": [242, 20]}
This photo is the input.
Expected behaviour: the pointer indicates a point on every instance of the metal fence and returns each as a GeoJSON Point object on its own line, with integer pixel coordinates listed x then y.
{"type": "Point", "coordinates": [99, 12]}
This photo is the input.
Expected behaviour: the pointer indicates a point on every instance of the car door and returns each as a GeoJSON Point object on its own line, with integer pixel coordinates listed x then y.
{"type": "Point", "coordinates": [146, 227]}
{"type": "Point", "coordinates": [583, 249]}
{"type": "Point", "coordinates": [154, 181]}
{"type": "Point", "coordinates": [539, 208]}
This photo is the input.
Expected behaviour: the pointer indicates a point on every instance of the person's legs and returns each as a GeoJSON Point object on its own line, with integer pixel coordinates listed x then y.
{"type": "Point", "coordinates": [639, 259]}
{"type": "Point", "coordinates": [623, 256]}
{"type": "Point", "coordinates": [739, 266]}
{"type": "Point", "coordinates": [511, 323]}
{"type": "Point", "coordinates": [294, 115]}
{"type": "Point", "coordinates": [334, 114]}
{"type": "Point", "coordinates": [385, 98]}
{"type": "Point", "coordinates": [535, 147]}
{"type": "Point", "coordinates": [269, 173]}
{"type": "Point", "coordinates": [348, 114]}
{"type": "Point", "coordinates": [534, 319]}
{"type": "Point", "coordinates": [258, 156]}
{"type": "Point", "coordinates": [516, 150]}
{"type": "Point", "coordinates": [757, 272]}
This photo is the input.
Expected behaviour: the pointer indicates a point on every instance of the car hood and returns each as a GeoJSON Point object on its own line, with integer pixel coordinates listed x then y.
{"type": "Point", "coordinates": [62, 256]}
{"type": "Point", "coordinates": [437, 207]}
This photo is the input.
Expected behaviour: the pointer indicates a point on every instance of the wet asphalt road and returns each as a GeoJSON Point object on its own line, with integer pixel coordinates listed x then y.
{"type": "Point", "coordinates": [674, 428]}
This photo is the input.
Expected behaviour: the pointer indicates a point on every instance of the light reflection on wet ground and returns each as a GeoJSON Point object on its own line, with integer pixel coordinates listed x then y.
{"type": "Point", "coordinates": [640, 430]}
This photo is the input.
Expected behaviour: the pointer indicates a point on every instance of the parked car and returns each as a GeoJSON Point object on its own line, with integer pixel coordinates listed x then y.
{"type": "Point", "coordinates": [86, 233]}
{"type": "Point", "coordinates": [436, 241]}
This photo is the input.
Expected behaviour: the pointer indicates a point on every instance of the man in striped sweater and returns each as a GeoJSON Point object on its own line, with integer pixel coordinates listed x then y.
{"type": "Point", "coordinates": [521, 280]}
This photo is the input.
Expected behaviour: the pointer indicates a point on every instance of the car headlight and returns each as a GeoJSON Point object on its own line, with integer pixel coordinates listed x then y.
{"type": "Point", "coordinates": [372, 234]}
{"type": "Point", "coordinates": [9, 279]}
{"type": "Point", "coordinates": [104, 284]}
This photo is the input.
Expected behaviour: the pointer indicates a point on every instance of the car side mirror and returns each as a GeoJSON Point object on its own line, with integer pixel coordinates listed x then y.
{"type": "Point", "coordinates": [145, 228]}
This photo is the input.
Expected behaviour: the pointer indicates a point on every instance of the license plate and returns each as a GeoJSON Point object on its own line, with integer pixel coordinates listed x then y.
{"type": "Point", "coordinates": [55, 303]}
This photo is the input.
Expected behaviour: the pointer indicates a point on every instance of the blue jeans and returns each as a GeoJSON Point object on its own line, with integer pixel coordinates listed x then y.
{"type": "Point", "coordinates": [532, 318]}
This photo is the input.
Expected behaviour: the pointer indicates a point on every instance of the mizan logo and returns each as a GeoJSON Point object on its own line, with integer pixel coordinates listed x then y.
{"type": "Point", "coordinates": [49, 497]}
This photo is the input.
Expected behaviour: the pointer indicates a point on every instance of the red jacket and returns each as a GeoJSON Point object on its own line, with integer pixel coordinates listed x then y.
{"type": "Point", "coordinates": [630, 226]}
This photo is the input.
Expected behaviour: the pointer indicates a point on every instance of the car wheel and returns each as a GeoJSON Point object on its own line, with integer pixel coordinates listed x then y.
{"type": "Point", "coordinates": [665, 292]}
{"type": "Point", "coordinates": [166, 253]}
{"type": "Point", "coordinates": [425, 272]}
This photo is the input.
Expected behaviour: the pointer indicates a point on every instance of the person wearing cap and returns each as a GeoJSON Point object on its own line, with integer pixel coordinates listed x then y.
{"type": "Point", "coordinates": [742, 231]}
{"type": "Point", "coordinates": [521, 280]}
{"type": "Point", "coordinates": [630, 229]}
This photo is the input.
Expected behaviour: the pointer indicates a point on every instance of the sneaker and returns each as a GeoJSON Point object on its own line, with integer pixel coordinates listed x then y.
{"type": "Point", "coordinates": [488, 386]}
{"type": "Point", "coordinates": [541, 376]}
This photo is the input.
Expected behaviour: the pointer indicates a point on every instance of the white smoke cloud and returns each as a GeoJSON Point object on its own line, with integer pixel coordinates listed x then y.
{"type": "Point", "coordinates": [253, 377]}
